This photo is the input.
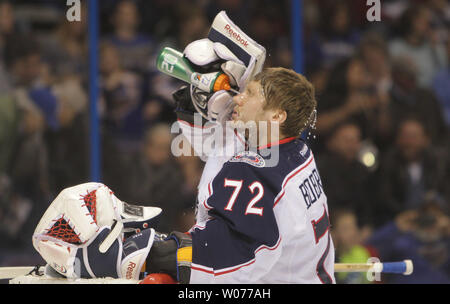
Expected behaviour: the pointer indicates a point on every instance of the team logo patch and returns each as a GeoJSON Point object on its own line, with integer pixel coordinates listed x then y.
{"type": "Point", "coordinates": [250, 158]}
{"type": "Point", "coordinates": [304, 150]}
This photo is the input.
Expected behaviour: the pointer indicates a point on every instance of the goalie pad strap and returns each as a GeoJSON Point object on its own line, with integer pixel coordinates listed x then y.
{"type": "Point", "coordinates": [93, 263]}
{"type": "Point", "coordinates": [111, 238]}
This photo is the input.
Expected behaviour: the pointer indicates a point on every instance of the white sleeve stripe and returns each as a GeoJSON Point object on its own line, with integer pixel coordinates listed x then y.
{"type": "Point", "coordinates": [205, 202]}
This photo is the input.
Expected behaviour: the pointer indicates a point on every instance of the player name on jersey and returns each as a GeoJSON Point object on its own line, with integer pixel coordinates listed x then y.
{"type": "Point", "coordinates": [311, 188]}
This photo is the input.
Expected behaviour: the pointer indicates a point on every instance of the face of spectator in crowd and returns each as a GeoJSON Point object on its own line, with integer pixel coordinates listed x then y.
{"type": "Point", "coordinates": [345, 230]}
{"type": "Point", "coordinates": [27, 69]}
{"type": "Point", "coordinates": [126, 16]}
{"type": "Point", "coordinates": [346, 141]}
{"type": "Point", "coordinates": [157, 145]}
{"type": "Point", "coordinates": [432, 223]}
{"type": "Point", "coordinates": [404, 73]}
{"type": "Point", "coordinates": [109, 59]}
{"type": "Point", "coordinates": [421, 23]}
{"type": "Point", "coordinates": [6, 18]}
{"type": "Point", "coordinates": [411, 140]}
{"type": "Point", "coordinates": [193, 27]}
{"type": "Point", "coordinates": [340, 19]}
{"type": "Point", "coordinates": [262, 29]}
{"type": "Point", "coordinates": [357, 77]}
{"type": "Point", "coordinates": [375, 57]}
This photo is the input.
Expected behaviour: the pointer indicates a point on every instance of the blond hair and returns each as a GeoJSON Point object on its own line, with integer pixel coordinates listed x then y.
{"type": "Point", "coordinates": [289, 91]}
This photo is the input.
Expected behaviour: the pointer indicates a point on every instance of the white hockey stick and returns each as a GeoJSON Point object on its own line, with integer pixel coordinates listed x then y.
{"type": "Point", "coordinates": [12, 272]}
{"type": "Point", "coordinates": [404, 267]}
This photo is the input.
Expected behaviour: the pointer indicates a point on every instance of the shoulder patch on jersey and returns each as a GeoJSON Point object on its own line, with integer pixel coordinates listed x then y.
{"type": "Point", "coordinates": [249, 157]}
{"type": "Point", "coordinates": [304, 150]}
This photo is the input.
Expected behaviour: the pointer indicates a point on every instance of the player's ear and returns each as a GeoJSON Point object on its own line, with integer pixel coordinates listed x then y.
{"type": "Point", "coordinates": [279, 116]}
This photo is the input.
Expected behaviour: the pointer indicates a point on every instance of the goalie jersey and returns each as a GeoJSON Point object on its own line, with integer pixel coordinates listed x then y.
{"type": "Point", "coordinates": [259, 222]}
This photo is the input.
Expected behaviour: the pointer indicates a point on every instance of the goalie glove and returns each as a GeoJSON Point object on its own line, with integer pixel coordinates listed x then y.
{"type": "Point", "coordinates": [238, 56]}
{"type": "Point", "coordinates": [82, 234]}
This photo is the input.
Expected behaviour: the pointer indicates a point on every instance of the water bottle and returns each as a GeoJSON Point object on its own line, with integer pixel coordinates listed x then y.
{"type": "Point", "coordinates": [173, 63]}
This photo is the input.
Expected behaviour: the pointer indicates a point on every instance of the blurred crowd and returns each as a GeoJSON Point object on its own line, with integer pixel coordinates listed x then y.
{"type": "Point", "coordinates": [381, 140]}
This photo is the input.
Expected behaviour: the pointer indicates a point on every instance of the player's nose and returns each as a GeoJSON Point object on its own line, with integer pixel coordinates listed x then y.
{"type": "Point", "coordinates": [238, 99]}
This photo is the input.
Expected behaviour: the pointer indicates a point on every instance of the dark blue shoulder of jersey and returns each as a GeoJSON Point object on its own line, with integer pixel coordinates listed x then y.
{"type": "Point", "coordinates": [242, 199]}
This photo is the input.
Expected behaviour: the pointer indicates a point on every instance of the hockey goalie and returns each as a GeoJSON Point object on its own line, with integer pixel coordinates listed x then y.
{"type": "Point", "coordinates": [260, 218]}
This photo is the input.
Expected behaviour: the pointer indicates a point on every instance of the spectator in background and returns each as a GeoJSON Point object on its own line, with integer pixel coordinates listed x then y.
{"type": "Point", "coordinates": [9, 120]}
{"type": "Point", "coordinates": [7, 23]}
{"type": "Point", "coordinates": [160, 19]}
{"type": "Point", "coordinates": [339, 36]}
{"type": "Point", "coordinates": [38, 110]}
{"type": "Point", "coordinates": [312, 37]}
{"type": "Point", "coordinates": [122, 100]}
{"type": "Point", "coordinates": [348, 241]}
{"type": "Point", "coordinates": [374, 53]}
{"type": "Point", "coordinates": [8, 108]}
{"type": "Point", "coordinates": [26, 186]}
{"type": "Point", "coordinates": [422, 235]}
{"type": "Point", "coordinates": [7, 32]}
{"type": "Point", "coordinates": [156, 179]}
{"type": "Point", "coordinates": [14, 208]}
{"type": "Point", "coordinates": [268, 29]}
{"type": "Point", "coordinates": [408, 99]}
{"type": "Point", "coordinates": [350, 94]}
{"type": "Point", "coordinates": [440, 20]}
{"type": "Point", "coordinates": [65, 49]}
{"type": "Point", "coordinates": [122, 122]}
{"type": "Point", "coordinates": [414, 43]}
{"type": "Point", "coordinates": [194, 24]}
{"type": "Point", "coordinates": [135, 48]}
{"type": "Point", "coordinates": [409, 171]}
{"type": "Point", "coordinates": [341, 159]}
{"type": "Point", "coordinates": [441, 87]}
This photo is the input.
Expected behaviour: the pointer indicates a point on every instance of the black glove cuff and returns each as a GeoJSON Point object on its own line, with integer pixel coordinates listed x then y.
{"type": "Point", "coordinates": [163, 257]}
{"type": "Point", "coordinates": [185, 110]}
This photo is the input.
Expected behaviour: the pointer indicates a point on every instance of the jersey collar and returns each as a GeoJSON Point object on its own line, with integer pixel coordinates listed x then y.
{"type": "Point", "coordinates": [278, 143]}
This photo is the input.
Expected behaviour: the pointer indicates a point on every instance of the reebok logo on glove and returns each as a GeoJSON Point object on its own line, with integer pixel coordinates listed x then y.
{"type": "Point", "coordinates": [235, 35]}
{"type": "Point", "coordinates": [130, 268]}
